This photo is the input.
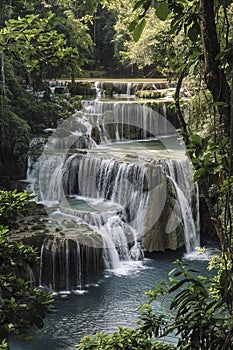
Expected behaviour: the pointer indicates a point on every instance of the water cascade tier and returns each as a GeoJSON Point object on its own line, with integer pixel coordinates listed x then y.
{"type": "Point", "coordinates": [119, 182]}
{"type": "Point", "coordinates": [71, 261]}
{"type": "Point", "coordinates": [129, 120]}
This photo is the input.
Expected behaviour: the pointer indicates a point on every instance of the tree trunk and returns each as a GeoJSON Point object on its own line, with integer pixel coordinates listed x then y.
{"type": "Point", "coordinates": [215, 77]}
{"type": "Point", "coordinates": [73, 75]}
{"type": "Point", "coordinates": [181, 119]}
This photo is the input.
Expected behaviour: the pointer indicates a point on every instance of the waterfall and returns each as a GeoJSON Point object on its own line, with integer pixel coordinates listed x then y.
{"type": "Point", "coordinates": [122, 183]}
{"type": "Point", "coordinates": [130, 120]}
{"type": "Point", "coordinates": [128, 89]}
{"type": "Point", "coordinates": [114, 88]}
{"type": "Point", "coordinates": [187, 197]}
{"type": "Point", "coordinates": [112, 171]}
{"type": "Point", "coordinates": [65, 263]}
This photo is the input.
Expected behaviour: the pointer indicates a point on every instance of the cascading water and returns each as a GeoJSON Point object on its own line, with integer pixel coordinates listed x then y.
{"type": "Point", "coordinates": [68, 264]}
{"type": "Point", "coordinates": [182, 179]}
{"type": "Point", "coordinates": [114, 120]}
{"type": "Point", "coordinates": [110, 179]}
{"type": "Point", "coordinates": [113, 190]}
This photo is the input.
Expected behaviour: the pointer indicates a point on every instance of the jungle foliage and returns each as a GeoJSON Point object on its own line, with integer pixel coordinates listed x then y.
{"type": "Point", "coordinates": [23, 305]}
{"type": "Point", "coordinates": [38, 40]}
{"type": "Point", "coordinates": [12, 205]}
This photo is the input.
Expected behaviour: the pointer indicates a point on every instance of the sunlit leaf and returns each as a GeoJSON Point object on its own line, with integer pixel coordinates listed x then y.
{"type": "Point", "coordinates": [162, 10]}
{"type": "Point", "coordinates": [138, 29]}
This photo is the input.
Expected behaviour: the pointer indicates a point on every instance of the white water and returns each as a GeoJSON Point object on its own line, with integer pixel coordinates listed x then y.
{"type": "Point", "coordinates": [181, 176]}
{"type": "Point", "coordinates": [124, 120]}
{"type": "Point", "coordinates": [116, 171]}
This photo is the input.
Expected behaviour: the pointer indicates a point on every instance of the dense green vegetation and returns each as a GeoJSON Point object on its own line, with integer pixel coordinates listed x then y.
{"type": "Point", "coordinates": [23, 305]}
{"type": "Point", "coordinates": [187, 41]}
{"type": "Point", "coordinates": [38, 41]}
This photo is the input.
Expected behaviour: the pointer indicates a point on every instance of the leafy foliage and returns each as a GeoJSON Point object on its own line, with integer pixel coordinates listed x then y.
{"type": "Point", "coordinates": [4, 345]}
{"type": "Point", "coordinates": [43, 44]}
{"type": "Point", "coordinates": [22, 305]}
{"type": "Point", "coordinates": [127, 339]}
{"type": "Point", "coordinates": [201, 314]}
{"type": "Point", "coordinates": [208, 158]}
{"type": "Point", "coordinates": [36, 44]}
{"type": "Point", "coordinates": [13, 204]}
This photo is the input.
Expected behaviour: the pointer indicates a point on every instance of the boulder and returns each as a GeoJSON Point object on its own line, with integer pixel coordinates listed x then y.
{"type": "Point", "coordinates": [163, 227]}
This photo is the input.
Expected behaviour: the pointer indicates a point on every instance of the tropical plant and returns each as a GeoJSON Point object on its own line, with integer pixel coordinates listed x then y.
{"type": "Point", "coordinates": [201, 314]}
{"type": "Point", "coordinates": [22, 304]}
{"type": "Point", "coordinates": [12, 205]}
{"type": "Point", "coordinates": [202, 306]}
{"type": "Point", "coordinates": [44, 45]}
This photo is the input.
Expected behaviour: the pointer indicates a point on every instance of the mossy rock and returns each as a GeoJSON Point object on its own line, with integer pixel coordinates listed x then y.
{"type": "Point", "coordinates": [150, 94]}
{"type": "Point", "coordinates": [81, 88]}
{"type": "Point", "coordinates": [35, 241]}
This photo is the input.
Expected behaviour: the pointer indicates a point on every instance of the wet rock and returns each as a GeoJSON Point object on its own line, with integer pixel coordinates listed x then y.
{"type": "Point", "coordinates": [69, 261]}
{"type": "Point", "coordinates": [163, 227]}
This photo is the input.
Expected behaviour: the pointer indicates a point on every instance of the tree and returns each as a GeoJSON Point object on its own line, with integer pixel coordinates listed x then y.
{"type": "Point", "coordinates": [34, 42]}
{"type": "Point", "coordinates": [197, 20]}
{"type": "Point", "coordinates": [77, 35]}
{"type": "Point", "coordinates": [215, 75]}
{"type": "Point", "coordinates": [34, 47]}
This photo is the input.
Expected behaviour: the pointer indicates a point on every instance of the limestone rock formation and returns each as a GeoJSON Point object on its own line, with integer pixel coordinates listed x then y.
{"type": "Point", "coordinates": [163, 226]}
{"type": "Point", "coordinates": [70, 260]}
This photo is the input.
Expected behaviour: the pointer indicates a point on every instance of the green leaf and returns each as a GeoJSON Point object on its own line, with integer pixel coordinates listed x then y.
{"type": "Point", "coordinates": [138, 29]}
{"type": "Point", "coordinates": [220, 55]}
{"type": "Point", "coordinates": [132, 25]}
{"type": "Point", "coordinates": [145, 307]}
{"type": "Point", "coordinates": [216, 169]}
{"type": "Point", "coordinates": [138, 4]}
{"type": "Point", "coordinates": [196, 160]}
{"type": "Point", "coordinates": [176, 26]}
{"type": "Point", "coordinates": [199, 172]}
{"type": "Point", "coordinates": [219, 104]}
{"type": "Point", "coordinates": [224, 141]}
{"type": "Point", "coordinates": [162, 10]}
{"type": "Point", "coordinates": [206, 158]}
{"type": "Point", "coordinates": [195, 138]}
{"type": "Point", "coordinates": [219, 317]}
{"type": "Point", "coordinates": [176, 286]}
